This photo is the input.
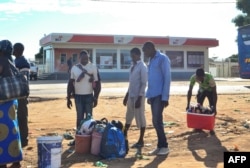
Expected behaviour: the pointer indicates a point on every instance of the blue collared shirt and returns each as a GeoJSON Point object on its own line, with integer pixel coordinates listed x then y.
{"type": "Point", "coordinates": [159, 76]}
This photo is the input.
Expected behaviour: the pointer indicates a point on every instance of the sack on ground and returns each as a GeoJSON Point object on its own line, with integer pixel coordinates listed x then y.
{"type": "Point", "coordinates": [112, 143]}
{"type": "Point", "coordinates": [100, 125]}
{"type": "Point", "coordinates": [86, 126]}
{"type": "Point", "coordinates": [120, 125]}
{"type": "Point", "coordinates": [97, 135]}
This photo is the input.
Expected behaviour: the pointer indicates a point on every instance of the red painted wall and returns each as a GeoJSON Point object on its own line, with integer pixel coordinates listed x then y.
{"type": "Point", "coordinates": [69, 52]}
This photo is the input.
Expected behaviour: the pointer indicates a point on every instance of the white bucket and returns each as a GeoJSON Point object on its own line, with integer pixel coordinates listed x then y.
{"type": "Point", "coordinates": [49, 150]}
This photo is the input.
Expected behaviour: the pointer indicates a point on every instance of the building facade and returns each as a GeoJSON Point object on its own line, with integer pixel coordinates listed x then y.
{"type": "Point", "coordinates": [111, 53]}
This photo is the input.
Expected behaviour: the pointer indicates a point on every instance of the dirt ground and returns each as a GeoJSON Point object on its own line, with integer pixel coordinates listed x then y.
{"type": "Point", "coordinates": [187, 149]}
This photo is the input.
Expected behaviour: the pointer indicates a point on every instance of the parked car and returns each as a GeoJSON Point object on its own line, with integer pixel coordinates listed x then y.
{"type": "Point", "coordinates": [33, 71]}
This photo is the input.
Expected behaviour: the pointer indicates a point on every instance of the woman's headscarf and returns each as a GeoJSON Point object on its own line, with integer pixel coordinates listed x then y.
{"type": "Point", "coordinates": [6, 48]}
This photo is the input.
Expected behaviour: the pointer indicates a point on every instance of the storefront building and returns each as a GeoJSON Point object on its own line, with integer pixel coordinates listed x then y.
{"type": "Point", "coordinates": [111, 53]}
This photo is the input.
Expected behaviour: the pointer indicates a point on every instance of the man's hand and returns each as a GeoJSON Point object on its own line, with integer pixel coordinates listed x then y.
{"type": "Point", "coordinates": [69, 103]}
{"type": "Point", "coordinates": [95, 102]}
{"type": "Point", "coordinates": [165, 103]}
{"type": "Point", "coordinates": [138, 103]}
{"type": "Point", "coordinates": [214, 111]}
{"type": "Point", "coordinates": [125, 99]}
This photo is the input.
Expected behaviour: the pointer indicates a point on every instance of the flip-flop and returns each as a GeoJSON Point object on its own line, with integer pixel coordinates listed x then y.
{"type": "Point", "coordinates": [137, 145]}
{"type": "Point", "coordinates": [71, 143]}
{"type": "Point", "coordinates": [141, 157]}
{"type": "Point", "coordinates": [68, 136]}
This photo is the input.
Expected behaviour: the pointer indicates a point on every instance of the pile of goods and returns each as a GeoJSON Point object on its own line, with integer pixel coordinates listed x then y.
{"type": "Point", "coordinates": [197, 108]}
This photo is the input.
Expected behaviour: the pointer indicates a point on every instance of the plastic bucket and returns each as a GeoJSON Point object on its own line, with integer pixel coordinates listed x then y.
{"type": "Point", "coordinates": [49, 150]}
{"type": "Point", "coordinates": [82, 143]}
{"type": "Point", "coordinates": [96, 143]}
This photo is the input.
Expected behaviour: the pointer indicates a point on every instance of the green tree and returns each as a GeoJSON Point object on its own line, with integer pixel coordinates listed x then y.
{"type": "Point", "coordinates": [233, 58]}
{"type": "Point", "coordinates": [39, 56]}
{"type": "Point", "coordinates": [244, 18]}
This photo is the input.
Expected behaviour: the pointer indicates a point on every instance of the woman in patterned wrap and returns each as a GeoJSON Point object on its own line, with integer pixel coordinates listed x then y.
{"type": "Point", "coordinates": [10, 145]}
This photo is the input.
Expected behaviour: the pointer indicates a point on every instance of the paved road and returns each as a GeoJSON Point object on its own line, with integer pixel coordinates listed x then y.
{"type": "Point", "coordinates": [47, 88]}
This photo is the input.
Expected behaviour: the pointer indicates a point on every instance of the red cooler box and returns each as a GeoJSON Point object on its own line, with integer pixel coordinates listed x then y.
{"type": "Point", "coordinates": [200, 121]}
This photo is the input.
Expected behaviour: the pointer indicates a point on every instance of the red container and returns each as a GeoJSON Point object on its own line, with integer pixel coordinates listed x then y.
{"type": "Point", "coordinates": [200, 121]}
{"type": "Point", "coordinates": [82, 143]}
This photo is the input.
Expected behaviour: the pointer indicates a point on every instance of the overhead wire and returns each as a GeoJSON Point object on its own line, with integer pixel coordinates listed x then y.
{"type": "Point", "coordinates": [167, 2]}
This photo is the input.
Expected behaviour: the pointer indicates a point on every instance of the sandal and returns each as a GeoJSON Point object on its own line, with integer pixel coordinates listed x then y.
{"type": "Point", "coordinates": [15, 165]}
{"type": "Point", "coordinates": [71, 143]}
{"type": "Point", "coordinates": [197, 130]}
{"type": "Point", "coordinates": [212, 132]}
{"type": "Point", "coordinates": [137, 145]}
{"type": "Point", "coordinates": [68, 136]}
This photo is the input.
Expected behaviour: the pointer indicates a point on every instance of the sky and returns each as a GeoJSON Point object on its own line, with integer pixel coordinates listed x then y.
{"type": "Point", "coordinates": [27, 21]}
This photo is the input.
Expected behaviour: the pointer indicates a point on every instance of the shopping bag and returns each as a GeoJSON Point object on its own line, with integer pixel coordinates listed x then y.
{"type": "Point", "coordinates": [14, 87]}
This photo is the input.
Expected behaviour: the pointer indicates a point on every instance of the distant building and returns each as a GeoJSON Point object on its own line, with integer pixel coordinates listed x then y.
{"type": "Point", "coordinates": [111, 52]}
{"type": "Point", "coordinates": [221, 67]}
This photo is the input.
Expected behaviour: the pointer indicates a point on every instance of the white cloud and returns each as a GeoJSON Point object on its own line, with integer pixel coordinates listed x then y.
{"type": "Point", "coordinates": [113, 17]}
{"type": "Point", "coordinates": [83, 6]}
{"type": "Point", "coordinates": [64, 6]}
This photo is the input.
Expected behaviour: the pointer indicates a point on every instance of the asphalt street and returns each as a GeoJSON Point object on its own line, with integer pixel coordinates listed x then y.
{"type": "Point", "coordinates": [58, 88]}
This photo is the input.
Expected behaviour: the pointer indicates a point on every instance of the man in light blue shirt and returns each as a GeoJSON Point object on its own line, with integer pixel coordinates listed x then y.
{"type": "Point", "coordinates": [159, 79]}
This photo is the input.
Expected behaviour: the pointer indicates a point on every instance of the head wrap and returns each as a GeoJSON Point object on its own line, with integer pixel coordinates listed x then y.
{"type": "Point", "coordinates": [6, 48]}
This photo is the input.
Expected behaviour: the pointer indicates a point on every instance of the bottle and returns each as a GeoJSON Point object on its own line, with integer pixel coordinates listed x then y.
{"type": "Point", "coordinates": [203, 109]}
{"type": "Point", "coordinates": [197, 108]}
{"type": "Point", "coordinates": [193, 109]}
{"type": "Point", "coordinates": [89, 116]}
{"type": "Point", "coordinates": [189, 109]}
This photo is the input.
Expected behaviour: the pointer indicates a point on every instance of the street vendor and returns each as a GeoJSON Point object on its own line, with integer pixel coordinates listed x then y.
{"type": "Point", "coordinates": [207, 88]}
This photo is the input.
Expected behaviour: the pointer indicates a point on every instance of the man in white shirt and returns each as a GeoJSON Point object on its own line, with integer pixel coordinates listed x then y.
{"type": "Point", "coordinates": [83, 77]}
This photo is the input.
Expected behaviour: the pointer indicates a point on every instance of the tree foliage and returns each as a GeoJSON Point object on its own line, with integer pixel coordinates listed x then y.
{"type": "Point", "coordinates": [233, 58]}
{"type": "Point", "coordinates": [39, 56]}
{"type": "Point", "coordinates": [244, 18]}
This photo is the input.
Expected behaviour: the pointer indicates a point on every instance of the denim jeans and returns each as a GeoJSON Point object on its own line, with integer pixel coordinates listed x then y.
{"type": "Point", "coordinates": [84, 106]}
{"type": "Point", "coordinates": [157, 109]}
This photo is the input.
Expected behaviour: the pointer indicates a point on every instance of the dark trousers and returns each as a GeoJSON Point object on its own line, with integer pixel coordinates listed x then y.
{"type": "Point", "coordinates": [22, 117]}
{"type": "Point", "coordinates": [202, 95]}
